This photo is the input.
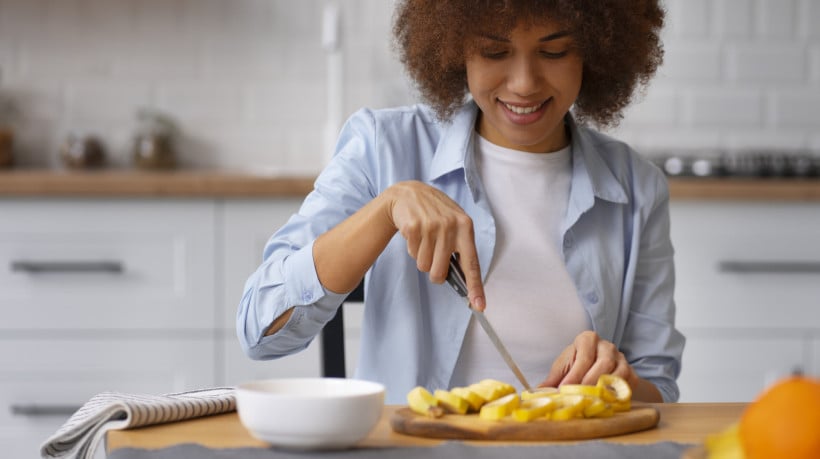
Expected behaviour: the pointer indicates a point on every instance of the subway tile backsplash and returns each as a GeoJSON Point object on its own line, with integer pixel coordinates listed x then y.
{"type": "Point", "coordinates": [246, 79]}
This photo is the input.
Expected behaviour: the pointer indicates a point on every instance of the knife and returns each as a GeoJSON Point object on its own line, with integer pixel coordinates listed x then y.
{"type": "Point", "coordinates": [455, 277]}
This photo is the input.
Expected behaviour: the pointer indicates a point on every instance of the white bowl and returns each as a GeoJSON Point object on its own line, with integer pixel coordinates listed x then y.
{"type": "Point", "coordinates": [310, 413]}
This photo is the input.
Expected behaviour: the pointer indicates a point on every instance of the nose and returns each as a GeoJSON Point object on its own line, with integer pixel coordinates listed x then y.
{"type": "Point", "coordinates": [524, 76]}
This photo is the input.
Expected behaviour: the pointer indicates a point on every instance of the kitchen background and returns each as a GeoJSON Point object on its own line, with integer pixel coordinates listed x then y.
{"type": "Point", "coordinates": [247, 80]}
{"type": "Point", "coordinates": [256, 85]}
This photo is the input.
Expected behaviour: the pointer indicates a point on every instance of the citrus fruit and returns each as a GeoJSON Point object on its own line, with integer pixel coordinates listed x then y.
{"type": "Point", "coordinates": [784, 421]}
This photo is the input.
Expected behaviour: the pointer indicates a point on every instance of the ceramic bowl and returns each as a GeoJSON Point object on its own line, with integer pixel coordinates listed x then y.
{"type": "Point", "coordinates": [310, 413]}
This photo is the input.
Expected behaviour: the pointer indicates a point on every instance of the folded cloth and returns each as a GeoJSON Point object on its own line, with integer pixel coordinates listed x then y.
{"type": "Point", "coordinates": [79, 437]}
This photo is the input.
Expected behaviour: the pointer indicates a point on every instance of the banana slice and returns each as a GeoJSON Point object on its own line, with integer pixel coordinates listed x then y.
{"type": "Point", "coordinates": [614, 389]}
{"type": "Point", "coordinates": [539, 392]}
{"type": "Point", "coordinates": [569, 406]}
{"type": "Point", "coordinates": [451, 402]}
{"type": "Point", "coordinates": [422, 402]}
{"type": "Point", "coordinates": [473, 399]}
{"type": "Point", "coordinates": [580, 389]}
{"type": "Point", "coordinates": [598, 408]}
{"type": "Point", "coordinates": [499, 408]}
{"type": "Point", "coordinates": [490, 389]}
{"type": "Point", "coordinates": [533, 409]}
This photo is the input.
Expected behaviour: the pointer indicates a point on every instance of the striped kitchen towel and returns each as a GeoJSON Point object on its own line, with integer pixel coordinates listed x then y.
{"type": "Point", "coordinates": [79, 437]}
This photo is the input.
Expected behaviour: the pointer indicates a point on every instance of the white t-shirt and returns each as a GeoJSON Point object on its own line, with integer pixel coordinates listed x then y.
{"type": "Point", "coordinates": [531, 300]}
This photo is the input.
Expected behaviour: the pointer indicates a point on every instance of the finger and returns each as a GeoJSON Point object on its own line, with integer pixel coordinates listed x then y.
{"type": "Point", "coordinates": [606, 361]}
{"type": "Point", "coordinates": [559, 368]}
{"type": "Point", "coordinates": [468, 259]}
{"type": "Point", "coordinates": [424, 255]}
{"type": "Point", "coordinates": [445, 244]}
{"type": "Point", "coordinates": [586, 351]}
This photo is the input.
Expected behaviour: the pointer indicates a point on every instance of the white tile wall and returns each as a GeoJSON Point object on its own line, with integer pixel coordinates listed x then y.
{"type": "Point", "coordinates": [245, 79]}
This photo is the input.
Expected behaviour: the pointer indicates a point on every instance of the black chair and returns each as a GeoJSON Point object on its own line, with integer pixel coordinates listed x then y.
{"type": "Point", "coordinates": [333, 338]}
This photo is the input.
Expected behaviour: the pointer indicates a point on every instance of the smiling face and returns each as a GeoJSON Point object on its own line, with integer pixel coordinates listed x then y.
{"type": "Point", "coordinates": [524, 83]}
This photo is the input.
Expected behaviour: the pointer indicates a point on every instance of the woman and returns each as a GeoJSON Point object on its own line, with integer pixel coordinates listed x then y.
{"type": "Point", "coordinates": [562, 232]}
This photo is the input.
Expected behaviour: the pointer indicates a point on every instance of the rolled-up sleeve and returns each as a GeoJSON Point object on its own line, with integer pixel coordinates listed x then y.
{"type": "Point", "coordinates": [287, 275]}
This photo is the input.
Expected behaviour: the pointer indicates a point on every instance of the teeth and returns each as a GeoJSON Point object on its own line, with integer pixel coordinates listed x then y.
{"type": "Point", "coordinates": [522, 110]}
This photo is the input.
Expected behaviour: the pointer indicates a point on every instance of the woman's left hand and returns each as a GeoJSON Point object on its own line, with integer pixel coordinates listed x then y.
{"type": "Point", "coordinates": [587, 358]}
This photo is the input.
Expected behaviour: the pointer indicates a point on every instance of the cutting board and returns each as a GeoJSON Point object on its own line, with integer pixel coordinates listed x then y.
{"type": "Point", "coordinates": [470, 427]}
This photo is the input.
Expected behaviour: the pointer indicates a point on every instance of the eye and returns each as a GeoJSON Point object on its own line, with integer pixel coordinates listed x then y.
{"type": "Point", "coordinates": [554, 54]}
{"type": "Point", "coordinates": [493, 54]}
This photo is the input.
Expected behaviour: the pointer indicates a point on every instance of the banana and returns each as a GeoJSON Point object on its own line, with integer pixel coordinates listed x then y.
{"type": "Point", "coordinates": [538, 393]}
{"type": "Point", "coordinates": [451, 402]}
{"type": "Point", "coordinates": [490, 389]}
{"type": "Point", "coordinates": [499, 408]}
{"type": "Point", "coordinates": [422, 402]}
{"type": "Point", "coordinates": [533, 409]}
{"type": "Point", "coordinates": [614, 389]}
{"type": "Point", "coordinates": [597, 408]}
{"type": "Point", "coordinates": [725, 444]}
{"type": "Point", "coordinates": [569, 406]}
{"type": "Point", "coordinates": [580, 389]}
{"type": "Point", "coordinates": [474, 400]}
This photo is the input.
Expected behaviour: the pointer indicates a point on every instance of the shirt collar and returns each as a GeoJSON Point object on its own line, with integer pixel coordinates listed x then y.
{"type": "Point", "coordinates": [591, 176]}
{"type": "Point", "coordinates": [455, 142]}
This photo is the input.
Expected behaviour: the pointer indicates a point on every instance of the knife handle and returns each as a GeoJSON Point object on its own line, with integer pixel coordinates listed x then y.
{"type": "Point", "coordinates": [455, 276]}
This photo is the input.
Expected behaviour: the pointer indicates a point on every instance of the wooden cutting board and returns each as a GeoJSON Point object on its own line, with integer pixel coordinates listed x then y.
{"type": "Point", "coordinates": [470, 427]}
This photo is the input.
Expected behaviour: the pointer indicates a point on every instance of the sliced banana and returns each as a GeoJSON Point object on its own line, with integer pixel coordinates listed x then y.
{"type": "Point", "coordinates": [451, 402]}
{"type": "Point", "coordinates": [499, 408]}
{"type": "Point", "coordinates": [422, 402]}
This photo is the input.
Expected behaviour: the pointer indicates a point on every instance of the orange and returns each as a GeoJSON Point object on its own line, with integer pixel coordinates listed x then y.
{"type": "Point", "coordinates": [784, 421]}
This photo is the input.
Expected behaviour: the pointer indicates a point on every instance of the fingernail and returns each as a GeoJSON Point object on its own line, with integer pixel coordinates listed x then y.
{"type": "Point", "coordinates": [479, 303]}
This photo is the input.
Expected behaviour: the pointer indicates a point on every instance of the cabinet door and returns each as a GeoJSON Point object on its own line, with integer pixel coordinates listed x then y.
{"type": "Point", "coordinates": [747, 265]}
{"type": "Point", "coordinates": [731, 366]}
{"type": "Point", "coordinates": [132, 264]}
{"type": "Point", "coordinates": [43, 381]}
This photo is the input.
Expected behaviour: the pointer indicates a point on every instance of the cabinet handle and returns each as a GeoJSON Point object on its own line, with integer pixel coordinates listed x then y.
{"type": "Point", "coordinates": [43, 410]}
{"type": "Point", "coordinates": [37, 267]}
{"type": "Point", "coordinates": [769, 267]}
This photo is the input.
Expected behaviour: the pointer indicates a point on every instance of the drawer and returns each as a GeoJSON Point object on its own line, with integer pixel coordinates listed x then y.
{"type": "Point", "coordinates": [747, 265]}
{"type": "Point", "coordinates": [42, 382]}
{"type": "Point", "coordinates": [52, 377]}
{"type": "Point", "coordinates": [107, 264]}
{"type": "Point", "coordinates": [731, 366]}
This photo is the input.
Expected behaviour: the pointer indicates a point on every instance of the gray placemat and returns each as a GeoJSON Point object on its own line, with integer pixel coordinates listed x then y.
{"type": "Point", "coordinates": [450, 450]}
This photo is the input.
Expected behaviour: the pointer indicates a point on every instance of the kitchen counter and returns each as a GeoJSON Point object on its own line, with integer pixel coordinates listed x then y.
{"type": "Point", "coordinates": [687, 423]}
{"type": "Point", "coordinates": [216, 183]}
{"type": "Point", "coordinates": [150, 184]}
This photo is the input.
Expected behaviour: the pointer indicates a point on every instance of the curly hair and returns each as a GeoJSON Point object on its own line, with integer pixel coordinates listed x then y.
{"type": "Point", "coordinates": [618, 40]}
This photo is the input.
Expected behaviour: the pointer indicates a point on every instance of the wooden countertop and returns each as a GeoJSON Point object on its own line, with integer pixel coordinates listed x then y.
{"type": "Point", "coordinates": [687, 423]}
{"type": "Point", "coordinates": [226, 184]}
{"type": "Point", "coordinates": [145, 184]}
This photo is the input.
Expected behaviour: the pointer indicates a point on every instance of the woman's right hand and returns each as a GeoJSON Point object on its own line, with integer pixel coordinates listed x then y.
{"type": "Point", "coordinates": [435, 227]}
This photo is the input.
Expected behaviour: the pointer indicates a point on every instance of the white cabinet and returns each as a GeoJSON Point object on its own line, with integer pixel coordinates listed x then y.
{"type": "Point", "coordinates": [100, 295]}
{"type": "Point", "coordinates": [130, 295]}
{"type": "Point", "coordinates": [747, 294]}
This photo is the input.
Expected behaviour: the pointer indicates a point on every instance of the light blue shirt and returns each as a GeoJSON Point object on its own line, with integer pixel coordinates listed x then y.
{"type": "Point", "coordinates": [616, 243]}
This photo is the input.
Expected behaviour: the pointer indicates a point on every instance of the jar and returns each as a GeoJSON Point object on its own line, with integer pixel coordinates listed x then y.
{"type": "Point", "coordinates": [154, 141]}
{"type": "Point", "coordinates": [6, 146]}
{"type": "Point", "coordinates": [82, 152]}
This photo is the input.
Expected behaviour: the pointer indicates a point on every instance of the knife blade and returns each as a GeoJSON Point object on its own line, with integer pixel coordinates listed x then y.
{"type": "Point", "coordinates": [455, 277]}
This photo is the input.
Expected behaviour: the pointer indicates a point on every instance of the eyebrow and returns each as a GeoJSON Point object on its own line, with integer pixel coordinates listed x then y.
{"type": "Point", "coordinates": [550, 37]}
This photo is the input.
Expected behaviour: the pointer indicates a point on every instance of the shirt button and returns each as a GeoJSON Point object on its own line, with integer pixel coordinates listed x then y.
{"type": "Point", "coordinates": [307, 297]}
{"type": "Point", "coordinates": [567, 241]}
{"type": "Point", "coordinates": [592, 297]}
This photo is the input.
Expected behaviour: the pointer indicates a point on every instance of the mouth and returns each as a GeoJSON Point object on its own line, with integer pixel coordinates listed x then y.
{"type": "Point", "coordinates": [525, 113]}
{"type": "Point", "coordinates": [523, 109]}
